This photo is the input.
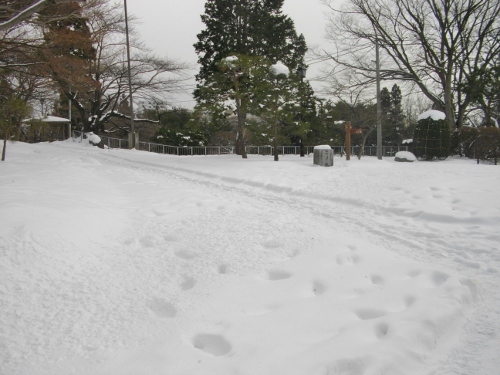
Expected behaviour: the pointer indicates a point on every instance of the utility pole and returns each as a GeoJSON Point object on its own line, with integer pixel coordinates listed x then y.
{"type": "Point", "coordinates": [379, 110]}
{"type": "Point", "coordinates": [348, 140]}
{"type": "Point", "coordinates": [301, 71]}
{"type": "Point", "coordinates": [69, 114]}
{"type": "Point", "coordinates": [132, 130]}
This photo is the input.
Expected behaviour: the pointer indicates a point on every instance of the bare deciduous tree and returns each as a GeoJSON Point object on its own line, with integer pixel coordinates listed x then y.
{"type": "Point", "coordinates": [12, 13]}
{"type": "Point", "coordinates": [95, 77]}
{"type": "Point", "coordinates": [434, 44]}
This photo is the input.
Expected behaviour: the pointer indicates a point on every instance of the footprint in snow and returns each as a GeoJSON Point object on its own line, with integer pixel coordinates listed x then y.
{"type": "Point", "coordinates": [318, 287]}
{"type": "Point", "coordinates": [222, 269]}
{"type": "Point", "coordinates": [409, 301]}
{"type": "Point", "coordinates": [162, 308]}
{"type": "Point", "coordinates": [414, 273]}
{"type": "Point", "coordinates": [275, 275]}
{"type": "Point", "coordinates": [438, 278]}
{"type": "Point", "coordinates": [271, 244]}
{"type": "Point", "coordinates": [188, 283]}
{"type": "Point", "coordinates": [216, 345]}
{"type": "Point", "coordinates": [147, 242]}
{"type": "Point", "coordinates": [381, 330]}
{"type": "Point", "coordinates": [344, 260]}
{"type": "Point", "coordinates": [170, 238]}
{"type": "Point", "coordinates": [376, 279]}
{"type": "Point", "coordinates": [368, 314]}
{"type": "Point", "coordinates": [185, 254]}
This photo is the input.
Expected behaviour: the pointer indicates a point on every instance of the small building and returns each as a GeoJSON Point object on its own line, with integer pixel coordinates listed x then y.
{"type": "Point", "coordinates": [46, 128]}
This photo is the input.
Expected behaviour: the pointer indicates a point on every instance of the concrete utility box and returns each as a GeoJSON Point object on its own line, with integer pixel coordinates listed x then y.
{"type": "Point", "coordinates": [323, 155]}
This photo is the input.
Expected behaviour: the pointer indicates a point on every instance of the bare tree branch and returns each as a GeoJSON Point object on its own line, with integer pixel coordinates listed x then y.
{"type": "Point", "coordinates": [15, 17]}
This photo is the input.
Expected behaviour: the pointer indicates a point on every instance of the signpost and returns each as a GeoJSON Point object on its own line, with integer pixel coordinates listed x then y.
{"type": "Point", "coordinates": [348, 132]}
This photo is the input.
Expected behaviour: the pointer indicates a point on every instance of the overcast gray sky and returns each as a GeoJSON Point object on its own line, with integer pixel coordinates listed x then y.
{"type": "Point", "coordinates": [170, 27]}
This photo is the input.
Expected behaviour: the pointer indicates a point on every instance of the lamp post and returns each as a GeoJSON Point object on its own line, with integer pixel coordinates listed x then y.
{"type": "Point", "coordinates": [301, 72]}
{"type": "Point", "coordinates": [132, 130]}
{"type": "Point", "coordinates": [379, 111]}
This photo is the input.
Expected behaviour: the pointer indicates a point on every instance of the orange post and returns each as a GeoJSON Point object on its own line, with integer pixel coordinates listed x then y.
{"type": "Point", "coordinates": [348, 140]}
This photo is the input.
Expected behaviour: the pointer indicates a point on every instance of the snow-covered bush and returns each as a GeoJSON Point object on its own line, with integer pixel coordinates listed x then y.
{"type": "Point", "coordinates": [432, 137]}
{"type": "Point", "coordinates": [94, 139]}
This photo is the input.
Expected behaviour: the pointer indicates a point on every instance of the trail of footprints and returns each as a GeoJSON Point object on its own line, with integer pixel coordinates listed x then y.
{"type": "Point", "coordinates": [218, 345]}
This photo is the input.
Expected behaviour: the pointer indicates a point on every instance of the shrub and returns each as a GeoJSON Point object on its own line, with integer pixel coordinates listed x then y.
{"type": "Point", "coordinates": [462, 141]}
{"type": "Point", "coordinates": [487, 145]}
{"type": "Point", "coordinates": [174, 137]}
{"type": "Point", "coordinates": [431, 139]}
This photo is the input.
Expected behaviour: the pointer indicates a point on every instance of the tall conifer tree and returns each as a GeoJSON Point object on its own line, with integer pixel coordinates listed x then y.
{"type": "Point", "coordinates": [397, 116]}
{"type": "Point", "coordinates": [254, 28]}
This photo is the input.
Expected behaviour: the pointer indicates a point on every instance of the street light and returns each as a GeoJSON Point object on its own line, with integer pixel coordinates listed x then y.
{"type": "Point", "coordinates": [301, 72]}
{"type": "Point", "coordinates": [379, 111]}
{"type": "Point", "coordinates": [132, 130]}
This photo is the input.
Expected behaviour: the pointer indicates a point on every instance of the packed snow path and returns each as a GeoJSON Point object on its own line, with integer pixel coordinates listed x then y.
{"type": "Point", "coordinates": [124, 262]}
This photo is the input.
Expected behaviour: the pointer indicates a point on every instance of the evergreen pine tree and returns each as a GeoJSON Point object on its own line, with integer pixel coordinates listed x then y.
{"type": "Point", "coordinates": [252, 28]}
{"type": "Point", "coordinates": [385, 102]}
{"type": "Point", "coordinates": [392, 116]}
{"type": "Point", "coordinates": [385, 106]}
{"type": "Point", "coordinates": [396, 116]}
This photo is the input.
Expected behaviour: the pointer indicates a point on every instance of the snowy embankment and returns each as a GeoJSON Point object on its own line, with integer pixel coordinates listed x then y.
{"type": "Point", "coordinates": [124, 262]}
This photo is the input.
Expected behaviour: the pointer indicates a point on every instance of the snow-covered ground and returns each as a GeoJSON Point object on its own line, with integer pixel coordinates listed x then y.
{"type": "Point", "coordinates": [125, 262]}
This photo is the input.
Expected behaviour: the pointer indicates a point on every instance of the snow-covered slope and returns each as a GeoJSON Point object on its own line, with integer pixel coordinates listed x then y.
{"type": "Point", "coordinates": [125, 262]}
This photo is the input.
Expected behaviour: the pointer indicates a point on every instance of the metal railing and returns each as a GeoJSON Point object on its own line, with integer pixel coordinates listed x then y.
{"type": "Point", "coordinates": [227, 150]}
{"type": "Point", "coordinates": [187, 150]}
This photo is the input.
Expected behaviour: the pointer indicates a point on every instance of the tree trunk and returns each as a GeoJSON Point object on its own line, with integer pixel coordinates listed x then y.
{"type": "Point", "coordinates": [240, 133]}
{"type": "Point", "coordinates": [448, 105]}
{"type": "Point", "coordinates": [276, 154]}
{"type": "Point", "coordinates": [240, 142]}
{"type": "Point", "coordinates": [275, 141]}
{"type": "Point", "coordinates": [4, 149]}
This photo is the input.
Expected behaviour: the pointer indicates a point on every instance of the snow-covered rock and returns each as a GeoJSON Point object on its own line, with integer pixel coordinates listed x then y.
{"type": "Point", "coordinates": [405, 156]}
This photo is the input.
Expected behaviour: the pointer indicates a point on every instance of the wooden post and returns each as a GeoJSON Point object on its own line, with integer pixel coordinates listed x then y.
{"type": "Point", "coordinates": [348, 140]}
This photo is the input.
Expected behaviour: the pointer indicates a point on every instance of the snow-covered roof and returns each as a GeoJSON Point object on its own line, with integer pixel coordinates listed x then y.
{"type": "Point", "coordinates": [47, 119]}
{"type": "Point", "coordinates": [432, 113]}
